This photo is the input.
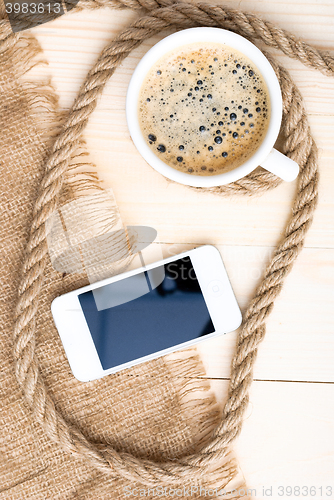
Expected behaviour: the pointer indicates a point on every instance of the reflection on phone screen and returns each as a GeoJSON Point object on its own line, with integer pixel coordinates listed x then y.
{"type": "Point", "coordinates": [146, 313]}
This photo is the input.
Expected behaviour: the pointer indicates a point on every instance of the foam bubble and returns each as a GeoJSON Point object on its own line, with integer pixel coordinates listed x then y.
{"type": "Point", "coordinates": [201, 100]}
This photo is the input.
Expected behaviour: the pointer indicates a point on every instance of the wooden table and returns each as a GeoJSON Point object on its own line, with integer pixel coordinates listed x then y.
{"type": "Point", "coordinates": [288, 434]}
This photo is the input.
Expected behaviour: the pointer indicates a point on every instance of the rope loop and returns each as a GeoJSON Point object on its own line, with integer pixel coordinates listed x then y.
{"type": "Point", "coordinates": [298, 144]}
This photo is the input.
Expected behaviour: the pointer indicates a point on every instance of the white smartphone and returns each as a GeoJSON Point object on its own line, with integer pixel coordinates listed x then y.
{"type": "Point", "coordinates": [146, 313]}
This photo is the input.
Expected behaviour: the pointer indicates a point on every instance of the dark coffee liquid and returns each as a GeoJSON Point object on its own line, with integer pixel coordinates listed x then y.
{"type": "Point", "coordinates": [204, 108]}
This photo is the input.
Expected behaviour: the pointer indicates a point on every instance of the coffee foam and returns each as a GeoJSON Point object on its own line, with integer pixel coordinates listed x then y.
{"type": "Point", "coordinates": [204, 108]}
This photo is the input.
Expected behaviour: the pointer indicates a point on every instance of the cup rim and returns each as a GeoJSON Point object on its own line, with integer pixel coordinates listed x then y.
{"type": "Point", "coordinates": [187, 37]}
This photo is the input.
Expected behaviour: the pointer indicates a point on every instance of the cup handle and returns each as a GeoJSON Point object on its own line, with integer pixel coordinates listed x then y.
{"type": "Point", "coordinates": [280, 165]}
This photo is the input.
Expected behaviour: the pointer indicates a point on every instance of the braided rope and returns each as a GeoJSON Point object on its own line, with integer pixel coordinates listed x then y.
{"type": "Point", "coordinates": [299, 145]}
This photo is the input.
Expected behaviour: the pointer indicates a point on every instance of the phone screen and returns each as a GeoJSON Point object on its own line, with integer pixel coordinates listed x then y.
{"type": "Point", "coordinates": [145, 313]}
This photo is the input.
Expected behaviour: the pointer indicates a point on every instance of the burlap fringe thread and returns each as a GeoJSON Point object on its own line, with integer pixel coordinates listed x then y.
{"type": "Point", "coordinates": [298, 144]}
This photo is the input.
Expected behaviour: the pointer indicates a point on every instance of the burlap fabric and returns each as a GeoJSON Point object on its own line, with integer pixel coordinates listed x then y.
{"type": "Point", "coordinates": [145, 411]}
{"type": "Point", "coordinates": [125, 427]}
{"type": "Point", "coordinates": [157, 410]}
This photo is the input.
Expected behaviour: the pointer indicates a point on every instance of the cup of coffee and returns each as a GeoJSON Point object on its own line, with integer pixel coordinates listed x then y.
{"type": "Point", "coordinates": [204, 108]}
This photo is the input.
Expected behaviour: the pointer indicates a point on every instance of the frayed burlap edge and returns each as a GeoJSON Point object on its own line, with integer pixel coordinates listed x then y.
{"type": "Point", "coordinates": [298, 144]}
{"type": "Point", "coordinates": [23, 53]}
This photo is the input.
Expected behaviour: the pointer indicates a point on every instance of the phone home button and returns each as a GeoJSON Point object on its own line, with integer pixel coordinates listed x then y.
{"type": "Point", "coordinates": [215, 288]}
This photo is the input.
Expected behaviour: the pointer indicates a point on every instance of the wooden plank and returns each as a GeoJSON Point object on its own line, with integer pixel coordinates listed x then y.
{"type": "Point", "coordinates": [145, 197]}
{"type": "Point", "coordinates": [299, 342]}
{"type": "Point", "coordinates": [286, 439]}
{"type": "Point", "coordinates": [236, 224]}
{"type": "Point", "coordinates": [79, 38]}
{"type": "Point", "coordinates": [138, 187]}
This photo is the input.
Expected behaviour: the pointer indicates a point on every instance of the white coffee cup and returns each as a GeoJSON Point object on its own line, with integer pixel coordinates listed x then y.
{"type": "Point", "coordinates": [266, 156]}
